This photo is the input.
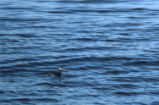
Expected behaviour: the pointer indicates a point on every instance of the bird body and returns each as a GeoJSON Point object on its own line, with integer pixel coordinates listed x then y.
{"type": "Point", "coordinates": [58, 74]}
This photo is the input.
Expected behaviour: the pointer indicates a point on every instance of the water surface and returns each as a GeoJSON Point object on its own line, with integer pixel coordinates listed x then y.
{"type": "Point", "coordinates": [108, 48]}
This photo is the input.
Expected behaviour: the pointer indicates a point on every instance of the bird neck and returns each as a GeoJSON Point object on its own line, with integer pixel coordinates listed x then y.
{"type": "Point", "coordinates": [60, 71]}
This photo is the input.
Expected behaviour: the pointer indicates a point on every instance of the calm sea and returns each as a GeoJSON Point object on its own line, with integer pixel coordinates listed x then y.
{"type": "Point", "coordinates": [109, 50]}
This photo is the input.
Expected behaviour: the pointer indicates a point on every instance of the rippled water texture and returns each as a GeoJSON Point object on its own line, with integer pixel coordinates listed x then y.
{"type": "Point", "coordinates": [108, 48]}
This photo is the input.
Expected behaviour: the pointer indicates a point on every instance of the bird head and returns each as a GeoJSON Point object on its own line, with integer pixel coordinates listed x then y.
{"type": "Point", "coordinates": [60, 68]}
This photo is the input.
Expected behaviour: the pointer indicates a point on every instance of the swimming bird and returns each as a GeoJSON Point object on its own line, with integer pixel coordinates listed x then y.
{"type": "Point", "coordinates": [58, 74]}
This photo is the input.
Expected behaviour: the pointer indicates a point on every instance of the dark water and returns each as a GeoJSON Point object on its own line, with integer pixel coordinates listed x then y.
{"type": "Point", "coordinates": [109, 50]}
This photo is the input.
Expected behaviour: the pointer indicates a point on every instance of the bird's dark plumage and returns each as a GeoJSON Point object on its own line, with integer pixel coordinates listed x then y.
{"type": "Point", "coordinates": [57, 73]}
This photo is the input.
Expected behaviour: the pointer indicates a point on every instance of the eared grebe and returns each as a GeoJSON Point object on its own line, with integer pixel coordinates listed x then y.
{"type": "Point", "coordinates": [59, 73]}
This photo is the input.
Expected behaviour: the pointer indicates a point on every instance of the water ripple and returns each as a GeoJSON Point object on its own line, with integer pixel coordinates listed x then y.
{"type": "Point", "coordinates": [108, 48]}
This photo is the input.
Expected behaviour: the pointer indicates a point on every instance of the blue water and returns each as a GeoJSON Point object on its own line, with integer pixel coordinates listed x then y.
{"type": "Point", "coordinates": [109, 50]}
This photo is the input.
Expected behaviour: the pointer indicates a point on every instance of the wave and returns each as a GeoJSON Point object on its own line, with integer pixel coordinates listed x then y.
{"type": "Point", "coordinates": [130, 93]}
{"type": "Point", "coordinates": [92, 1]}
{"type": "Point", "coordinates": [29, 99]}
{"type": "Point", "coordinates": [141, 63]}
